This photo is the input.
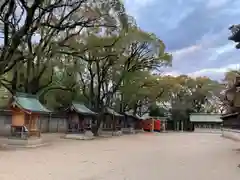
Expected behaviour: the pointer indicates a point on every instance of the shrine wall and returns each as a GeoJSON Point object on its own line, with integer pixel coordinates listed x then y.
{"type": "Point", "coordinates": [46, 123]}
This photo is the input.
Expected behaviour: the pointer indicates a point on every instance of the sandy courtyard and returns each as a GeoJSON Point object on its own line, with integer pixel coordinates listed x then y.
{"type": "Point", "coordinates": [169, 156]}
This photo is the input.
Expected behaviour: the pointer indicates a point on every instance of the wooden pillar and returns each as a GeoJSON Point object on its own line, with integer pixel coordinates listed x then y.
{"type": "Point", "coordinates": [38, 128]}
{"type": "Point", "coordinates": [40, 124]}
{"type": "Point", "coordinates": [152, 125]}
{"type": "Point", "coordinates": [182, 125]}
{"type": "Point", "coordinates": [57, 125]}
{"type": "Point", "coordinates": [164, 125]}
{"type": "Point", "coordinates": [34, 119]}
{"type": "Point", "coordinates": [30, 122]}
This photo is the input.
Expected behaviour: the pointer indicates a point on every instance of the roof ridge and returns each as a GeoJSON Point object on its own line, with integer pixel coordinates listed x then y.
{"type": "Point", "coordinates": [82, 107]}
{"type": "Point", "coordinates": [29, 102]}
{"type": "Point", "coordinates": [78, 102]}
{"type": "Point", "coordinates": [21, 94]}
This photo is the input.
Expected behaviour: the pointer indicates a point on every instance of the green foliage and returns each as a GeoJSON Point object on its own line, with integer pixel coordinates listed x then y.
{"type": "Point", "coordinates": [189, 95]}
{"type": "Point", "coordinates": [93, 52]}
{"type": "Point", "coordinates": [5, 97]}
{"type": "Point", "coordinates": [156, 111]}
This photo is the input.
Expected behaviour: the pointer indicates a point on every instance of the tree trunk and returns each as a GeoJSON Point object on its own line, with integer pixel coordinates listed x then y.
{"type": "Point", "coordinates": [14, 80]}
{"type": "Point", "coordinates": [95, 130]}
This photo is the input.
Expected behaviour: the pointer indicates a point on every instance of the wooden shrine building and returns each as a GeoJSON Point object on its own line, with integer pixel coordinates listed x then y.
{"type": "Point", "coordinates": [25, 115]}
{"type": "Point", "coordinates": [112, 120]}
{"type": "Point", "coordinates": [79, 118]}
{"type": "Point", "coordinates": [132, 121]}
{"type": "Point", "coordinates": [206, 121]}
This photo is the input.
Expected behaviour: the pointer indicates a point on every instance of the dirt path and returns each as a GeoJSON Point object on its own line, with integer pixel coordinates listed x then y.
{"type": "Point", "coordinates": [167, 156]}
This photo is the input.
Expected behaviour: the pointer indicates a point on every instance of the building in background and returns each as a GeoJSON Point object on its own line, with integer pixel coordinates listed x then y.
{"type": "Point", "coordinates": [206, 121]}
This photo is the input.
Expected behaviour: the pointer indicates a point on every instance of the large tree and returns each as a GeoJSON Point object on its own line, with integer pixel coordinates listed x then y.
{"type": "Point", "coordinates": [193, 93]}
{"type": "Point", "coordinates": [34, 30]}
{"type": "Point", "coordinates": [143, 89]}
{"type": "Point", "coordinates": [190, 95]}
{"type": "Point", "coordinates": [111, 61]}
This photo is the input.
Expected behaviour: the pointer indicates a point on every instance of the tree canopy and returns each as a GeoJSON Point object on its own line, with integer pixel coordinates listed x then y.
{"type": "Point", "coordinates": [94, 52]}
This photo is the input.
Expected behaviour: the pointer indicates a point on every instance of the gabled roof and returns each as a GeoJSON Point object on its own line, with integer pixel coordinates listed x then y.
{"type": "Point", "coordinates": [139, 117]}
{"type": "Point", "coordinates": [146, 117]}
{"type": "Point", "coordinates": [227, 116]}
{"type": "Point", "coordinates": [205, 118]}
{"type": "Point", "coordinates": [128, 113]}
{"type": "Point", "coordinates": [209, 114]}
{"type": "Point", "coordinates": [82, 109]}
{"type": "Point", "coordinates": [29, 103]}
{"type": "Point", "coordinates": [112, 112]}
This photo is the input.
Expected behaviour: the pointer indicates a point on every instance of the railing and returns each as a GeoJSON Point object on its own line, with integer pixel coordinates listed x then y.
{"type": "Point", "coordinates": [77, 129]}
{"type": "Point", "coordinates": [19, 132]}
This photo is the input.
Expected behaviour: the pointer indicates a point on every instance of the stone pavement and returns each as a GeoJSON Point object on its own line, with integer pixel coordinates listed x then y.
{"type": "Point", "coordinates": [153, 156]}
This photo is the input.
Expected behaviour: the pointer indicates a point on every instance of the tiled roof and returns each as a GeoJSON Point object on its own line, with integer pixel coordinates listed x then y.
{"type": "Point", "coordinates": [112, 112]}
{"type": "Point", "coordinates": [29, 103]}
{"type": "Point", "coordinates": [205, 118]}
{"type": "Point", "coordinates": [82, 109]}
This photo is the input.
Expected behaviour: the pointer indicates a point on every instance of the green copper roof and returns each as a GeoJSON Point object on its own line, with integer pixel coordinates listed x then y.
{"type": "Point", "coordinates": [29, 103]}
{"type": "Point", "coordinates": [82, 109]}
{"type": "Point", "coordinates": [112, 112]}
{"type": "Point", "coordinates": [129, 113]}
{"type": "Point", "coordinates": [205, 118]}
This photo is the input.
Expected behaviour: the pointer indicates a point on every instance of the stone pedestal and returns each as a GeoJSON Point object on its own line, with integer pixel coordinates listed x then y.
{"type": "Point", "coordinates": [128, 131]}
{"type": "Point", "coordinates": [88, 135]}
{"type": "Point", "coordinates": [110, 133]}
{"type": "Point", "coordinates": [139, 130]}
{"type": "Point", "coordinates": [24, 143]}
{"type": "Point", "coordinates": [117, 133]}
{"type": "Point", "coordinates": [105, 133]}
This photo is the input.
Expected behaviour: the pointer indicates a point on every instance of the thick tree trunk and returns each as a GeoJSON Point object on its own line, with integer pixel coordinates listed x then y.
{"type": "Point", "coordinates": [14, 81]}
{"type": "Point", "coordinates": [100, 118]}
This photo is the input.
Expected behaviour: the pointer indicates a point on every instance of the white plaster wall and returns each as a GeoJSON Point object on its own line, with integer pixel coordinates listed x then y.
{"type": "Point", "coordinates": [5, 125]}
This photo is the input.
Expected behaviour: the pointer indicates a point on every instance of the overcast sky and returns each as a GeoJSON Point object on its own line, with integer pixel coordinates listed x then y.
{"type": "Point", "coordinates": [195, 31]}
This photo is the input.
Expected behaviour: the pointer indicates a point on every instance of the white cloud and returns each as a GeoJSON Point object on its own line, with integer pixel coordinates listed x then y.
{"type": "Point", "coordinates": [211, 50]}
{"type": "Point", "coordinates": [185, 52]}
{"type": "Point", "coordinates": [172, 22]}
{"type": "Point", "coordinates": [217, 52]}
{"type": "Point", "coordinates": [171, 73]}
{"type": "Point", "coordinates": [203, 53]}
{"type": "Point", "coordinates": [216, 3]}
{"type": "Point", "coordinates": [204, 47]}
{"type": "Point", "coordinates": [216, 73]}
{"type": "Point", "coordinates": [134, 6]}
{"type": "Point", "coordinates": [140, 3]}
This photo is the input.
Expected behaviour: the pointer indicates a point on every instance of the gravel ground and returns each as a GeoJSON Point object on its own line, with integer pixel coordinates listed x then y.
{"type": "Point", "coordinates": [167, 156]}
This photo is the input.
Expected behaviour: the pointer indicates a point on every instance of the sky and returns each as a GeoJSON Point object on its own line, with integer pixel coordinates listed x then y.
{"type": "Point", "coordinates": [194, 31]}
